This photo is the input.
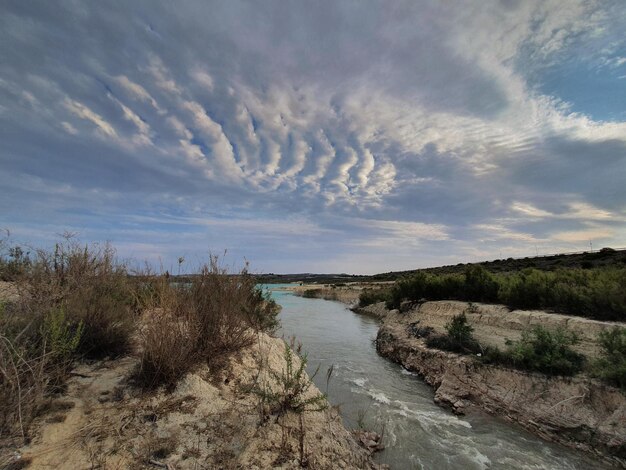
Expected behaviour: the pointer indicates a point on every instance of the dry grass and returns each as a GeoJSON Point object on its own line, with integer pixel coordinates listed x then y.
{"type": "Point", "coordinates": [74, 301]}
{"type": "Point", "coordinates": [206, 320]}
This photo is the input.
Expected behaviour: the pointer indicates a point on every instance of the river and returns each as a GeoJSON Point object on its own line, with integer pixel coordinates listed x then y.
{"type": "Point", "coordinates": [380, 395]}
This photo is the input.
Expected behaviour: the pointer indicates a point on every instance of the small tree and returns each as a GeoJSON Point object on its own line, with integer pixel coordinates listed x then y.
{"type": "Point", "coordinates": [290, 387]}
{"type": "Point", "coordinates": [547, 351]}
{"type": "Point", "coordinates": [459, 330]}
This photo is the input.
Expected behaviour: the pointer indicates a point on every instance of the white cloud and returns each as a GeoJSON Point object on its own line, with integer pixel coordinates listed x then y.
{"type": "Point", "coordinates": [578, 236]}
{"type": "Point", "coordinates": [490, 232]}
{"type": "Point", "coordinates": [203, 78]}
{"type": "Point", "coordinates": [84, 112]}
{"type": "Point", "coordinates": [69, 128]}
{"type": "Point", "coordinates": [222, 149]}
{"type": "Point", "coordinates": [423, 113]}
{"type": "Point", "coordinates": [136, 90]}
{"type": "Point", "coordinates": [143, 135]}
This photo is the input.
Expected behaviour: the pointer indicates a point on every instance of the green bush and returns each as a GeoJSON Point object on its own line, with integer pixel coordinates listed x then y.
{"type": "Point", "coordinates": [595, 293]}
{"type": "Point", "coordinates": [541, 350]}
{"type": "Point", "coordinates": [611, 366]}
{"type": "Point", "coordinates": [61, 337]}
{"type": "Point", "coordinates": [372, 296]}
{"type": "Point", "coordinates": [479, 285]}
{"type": "Point", "coordinates": [311, 293]}
{"type": "Point", "coordinates": [458, 339]}
{"type": "Point", "coordinates": [458, 329]}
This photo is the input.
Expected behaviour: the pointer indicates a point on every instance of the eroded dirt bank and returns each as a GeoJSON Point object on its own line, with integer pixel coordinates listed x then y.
{"type": "Point", "coordinates": [206, 422]}
{"type": "Point", "coordinates": [578, 412]}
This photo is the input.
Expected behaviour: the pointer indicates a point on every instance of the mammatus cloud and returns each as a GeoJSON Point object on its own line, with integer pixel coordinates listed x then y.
{"type": "Point", "coordinates": [381, 137]}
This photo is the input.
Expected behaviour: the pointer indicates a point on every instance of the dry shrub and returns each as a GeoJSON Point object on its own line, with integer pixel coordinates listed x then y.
{"type": "Point", "coordinates": [91, 286]}
{"type": "Point", "coordinates": [168, 349]}
{"type": "Point", "coordinates": [205, 320]}
{"type": "Point", "coordinates": [73, 301]}
{"type": "Point", "coordinates": [23, 383]}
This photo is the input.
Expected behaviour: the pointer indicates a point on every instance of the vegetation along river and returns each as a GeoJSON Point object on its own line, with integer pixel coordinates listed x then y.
{"type": "Point", "coordinates": [382, 396]}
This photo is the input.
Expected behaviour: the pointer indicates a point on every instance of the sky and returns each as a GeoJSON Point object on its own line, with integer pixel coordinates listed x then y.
{"type": "Point", "coordinates": [315, 136]}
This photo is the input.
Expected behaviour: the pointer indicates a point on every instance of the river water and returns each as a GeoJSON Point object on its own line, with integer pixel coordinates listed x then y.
{"type": "Point", "coordinates": [380, 395]}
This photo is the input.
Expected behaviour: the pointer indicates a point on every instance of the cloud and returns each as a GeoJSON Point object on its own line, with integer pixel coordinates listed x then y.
{"type": "Point", "coordinates": [584, 235]}
{"type": "Point", "coordinates": [137, 91]}
{"type": "Point", "coordinates": [84, 112]}
{"type": "Point", "coordinates": [576, 210]}
{"type": "Point", "coordinates": [382, 135]}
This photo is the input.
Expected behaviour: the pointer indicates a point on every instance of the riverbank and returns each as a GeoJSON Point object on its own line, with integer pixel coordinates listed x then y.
{"type": "Point", "coordinates": [346, 293]}
{"type": "Point", "coordinates": [578, 412]}
{"type": "Point", "coordinates": [103, 420]}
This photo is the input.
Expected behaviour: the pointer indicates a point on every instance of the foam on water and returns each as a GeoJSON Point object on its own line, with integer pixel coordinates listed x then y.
{"type": "Point", "coordinates": [380, 397]}
{"type": "Point", "coordinates": [360, 382]}
{"type": "Point", "coordinates": [429, 417]}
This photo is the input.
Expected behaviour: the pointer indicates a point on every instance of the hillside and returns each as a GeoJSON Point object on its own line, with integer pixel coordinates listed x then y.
{"type": "Point", "coordinates": [584, 260]}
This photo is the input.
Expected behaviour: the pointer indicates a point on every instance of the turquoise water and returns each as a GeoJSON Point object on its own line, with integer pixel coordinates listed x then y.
{"type": "Point", "coordinates": [383, 396]}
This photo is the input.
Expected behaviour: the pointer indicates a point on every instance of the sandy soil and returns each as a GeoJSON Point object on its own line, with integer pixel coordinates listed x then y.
{"type": "Point", "coordinates": [494, 324]}
{"type": "Point", "coordinates": [206, 422]}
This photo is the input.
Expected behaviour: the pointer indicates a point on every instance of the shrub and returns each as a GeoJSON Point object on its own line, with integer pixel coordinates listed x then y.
{"type": "Point", "coordinates": [311, 293]}
{"type": "Point", "coordinates": [91, 287]}
{"type": "Point", "coordinates": [287, 390]}
{"type": "Point", "coordinates": [458, 329]}
{"type": "Point", "coordinates": [205, 320]}
{"type": "Point", "coordinates": [541, 350]}
{"type": "Point", "coordinates": [596, 293]}
{"type": "Point", "coordinates": [13, 261]}
{"type": "Point", "coordinates": [480, 285]}
{"type": "Point", "coordinates": [458, 339]}
{"type": "Point", "coordinates": [372, 296]}
{"type": "Point", "coordinates": [168, 349]}
{"type": "Point", "coordinates": [60, 336]}
{"type": "Point", "coordinates": [420, 331]}
{"type": "Point", "coordinates": [72, 301]}
{"type": "Point", "coordinates": [611, 366]}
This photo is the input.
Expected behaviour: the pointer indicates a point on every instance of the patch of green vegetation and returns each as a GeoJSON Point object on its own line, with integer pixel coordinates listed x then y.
{"type": "Point", "coordinates": [611, 366]}
{"type": "Point", "coordinates": [311, 293]}
{"type": "Point", "coordinates": [61, 336]}
{"type": "Point", "coordinates": [459, 338]}
{"type": "Point", "coordinates": [540, 350]}
{"type": "Point", "coordinates": [372, 296]}
{"type": "Point", "coordinates": [598, 293]}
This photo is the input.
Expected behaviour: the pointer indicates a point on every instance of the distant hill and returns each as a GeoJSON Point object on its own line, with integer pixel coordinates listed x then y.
{"type": "Point", "coordinates": [310, 278]}
{"type": "Point", "coordinates": [583, 260]}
